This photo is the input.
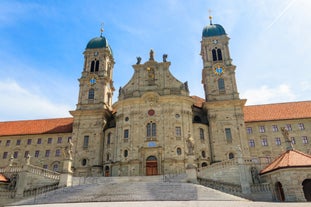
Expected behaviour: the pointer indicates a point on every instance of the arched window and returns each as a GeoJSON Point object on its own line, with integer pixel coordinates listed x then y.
{"type": "Point", "coordinates": [219, 55]}
{"type": "Point", "coordinates": [151, 129]}
{"type": "Point", "coordinates": [178, 151]}
{"type": "Point", "coordinates": [201, 134]}
{"type": "Point", "coordinates": [84, 161]}
{"type": "Point", "coordinates": [204, 164]}
{"type": "Point", "coordinates": [107, 157]}
{"type": "Point", "coordinates": [96, 65]}
{"type": "Point", "coordinates": [92, 66]}
{"type": "Point", "coordinates": [203, 154]}
{"type": "Point", "coordinates": [55, 167]}
{"type": "Point", "coordinates": [221, 84]}
{"type": "Point", "coordinates": [214, 55]}
{"type": "Point", "coordinates": [91, 94]}
{"type": "Point", "coordinates": [126, 153]}
{"type": "Point", "coordinates": [231, 155]}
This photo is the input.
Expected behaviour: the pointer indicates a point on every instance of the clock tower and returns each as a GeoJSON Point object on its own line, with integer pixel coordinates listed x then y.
{"type": "Point", "coordinates": [223, 106]}
{"type": "Point", "coordinates": [94, 107]}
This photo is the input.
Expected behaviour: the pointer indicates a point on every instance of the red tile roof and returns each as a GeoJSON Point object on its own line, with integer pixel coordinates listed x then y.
{"type": "Point", "coordinates": [278, 111]}
{"type": "Point", "coordinates": [42, 126]}
{"type": "Point", "coordinates": [271, 112]}
{"type": "Point", "coordinates": [3, 178]}
{"type": "Point", "coordinates": [289, 159]}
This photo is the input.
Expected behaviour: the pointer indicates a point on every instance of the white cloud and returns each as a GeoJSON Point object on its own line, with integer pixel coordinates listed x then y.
{"type": "Point", "coordinates": [17, 101]}
{"type": "Point", "coordinates": [266, 94]}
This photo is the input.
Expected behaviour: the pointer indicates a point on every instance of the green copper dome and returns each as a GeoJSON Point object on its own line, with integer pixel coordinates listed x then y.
{"type": "Point", "coordinates": [97, 42]}
{"type": "Point", "coordinates": [213, 30]}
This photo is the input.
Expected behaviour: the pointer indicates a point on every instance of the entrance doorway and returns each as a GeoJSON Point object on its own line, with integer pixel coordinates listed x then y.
{"type": "Point", "coordinates": [151, 166]}
{"type": "Point", "coordinates": [279, 192]}
{"type": "Point", "coordinates": [107, 171]}
{"type": "Point", "coordinates": [307, 189]}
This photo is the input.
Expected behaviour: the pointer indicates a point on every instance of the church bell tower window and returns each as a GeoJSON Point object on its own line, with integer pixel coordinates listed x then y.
{"type": "Point", "coordinates": [91, 94]}
{"type": "Point", "coordinates": [221, 85]}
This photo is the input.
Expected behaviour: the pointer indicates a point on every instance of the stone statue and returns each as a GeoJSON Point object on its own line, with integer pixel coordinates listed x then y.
{"type": "Point", "coordinates": [288, 142]}
{"type": "Point", "coordinates": [68, 150]}
{"type": "Point", "coordinates": [151, 58]}
{"type": "Point", "coordinates": [11, 161]}
{"type": "Point", "coordinates": [138, 60]}
{"type": "Point", "coordinates": [255, 176]}
{"type": "Point", "coordinates": [186, 86]}
{"type": "Point", "coordinates": [164, 57]}
{"type": "Point", "coordinates": [190, 145]}
{"type": "Point", "coordinates": [28, 159]}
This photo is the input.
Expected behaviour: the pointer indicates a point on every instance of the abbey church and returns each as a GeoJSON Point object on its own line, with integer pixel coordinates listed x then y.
{"type": "Point", "coordinates": [155, 127]}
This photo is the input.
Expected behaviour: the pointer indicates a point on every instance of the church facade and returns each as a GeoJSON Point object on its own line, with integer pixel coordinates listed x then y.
{"type": "Point", "coordinates": [156, 127]}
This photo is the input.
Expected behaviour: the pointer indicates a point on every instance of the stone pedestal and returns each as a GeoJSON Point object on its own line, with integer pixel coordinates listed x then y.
{"type": "Point", "coordinates": [191, 170]}
{"type": "Point", "coordinates": [66, 176]}
{"type": "Point", "coordinates": [244, 176]}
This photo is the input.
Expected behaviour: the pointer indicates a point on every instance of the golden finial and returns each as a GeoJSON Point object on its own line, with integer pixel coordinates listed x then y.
{"type": "Point", "coordinates": [101, 29]}
{"type": "Point", "coordinates": [210, 16]}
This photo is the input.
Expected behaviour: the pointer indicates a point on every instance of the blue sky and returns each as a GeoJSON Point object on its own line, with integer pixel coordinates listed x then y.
{"type": "Point", "coordinates": [42, 44]}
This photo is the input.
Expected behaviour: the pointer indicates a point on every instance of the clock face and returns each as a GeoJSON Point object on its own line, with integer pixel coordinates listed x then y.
{"type": "Point", "coordinates": [218, 69]}
{"type": "Point", "coordinates": [95, 53]}
{"type": "Point", "coordinates": [215, 41]}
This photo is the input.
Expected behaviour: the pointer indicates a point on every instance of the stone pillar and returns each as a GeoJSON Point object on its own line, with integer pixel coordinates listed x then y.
{"type": "Point", "coordinates": [66, 176]}
{"type": "Point", "coordinates": [21, 182]}
{"type": "Point", "coordinates": [244, 176]}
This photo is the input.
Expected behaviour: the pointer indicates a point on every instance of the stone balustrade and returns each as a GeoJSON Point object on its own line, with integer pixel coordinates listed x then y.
{"type": "Point", "coordinates": [221, 186]}
{"type": "Point", "coordinates": [259, 188]}
{"type": "Point", "coordinates": [40, 190]}
{"type": "Point", "coordinates": [43, 172]}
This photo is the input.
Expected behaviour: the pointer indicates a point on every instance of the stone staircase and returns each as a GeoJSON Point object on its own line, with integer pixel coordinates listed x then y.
{"type": "Point", "coordinates": [130, 189]}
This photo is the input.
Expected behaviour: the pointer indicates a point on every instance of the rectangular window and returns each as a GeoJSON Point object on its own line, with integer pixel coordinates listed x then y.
{"type": "Point", "coordinates": [275, 128]}
{"type": "Point", "coordinates": [8, 142]}
{"type": "Point", "coordinates": [228, 135]}
{"type": "Point", "coordinates": [47, 153]}
{"type": "Point", "coordinates": [50, 140]}
{"type": "Point", "coordinates": [15, 155]}
{"type": "Point", "coordinates": [201, 134]}
{"type": "Point", "coordinates": [264, 142]}
{"type": "Point", "coordinates": [45, 167]}
{"type": "Point", "coordinates": [288, 127]}
{"type": "Point", "coordinates": [126, 134]}
{"type": "Point", "coordinates": [59, 140]}
{"type": "Point", "coordinates": [151, 130]}
{"type": "Point", "coordinates": [57, 153]}
{"type": "Point", "coordinates": [37, 152]}
{"type": "Point", "coordinates": [251, 143]}
{"type": "Point", "coordinates": [178, 131]}
{"type": "Point", "coordinates": [5, 155]}
{"type": "Point", "coordinates": [0, 142]}
{"type": "Point", "coordinates": [293, 140]}
{"type": "Point", "coordinates": [304, 139]}
{"type": "Point", "coordinates": [301, 126]}
{"type": "Point", "coordinates": [18, 142]}
{"type": "Point", "coordinates": [278, 141]}
{"type": "Point", "coordinates": [29, 141]}
{"type": "Point", "coordinates": [39, 141]}
{"type": "Point", "coordinates": [249, 130]}
{"type": "Point", "coordinates": [26, 154]}
{"type": "Point", "coordinates": [86, 142]}
{"type": "Point", "coordinates": [262, 129]}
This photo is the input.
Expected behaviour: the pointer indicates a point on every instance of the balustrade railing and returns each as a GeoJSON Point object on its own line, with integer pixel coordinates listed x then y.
{"type": "Point", "coordinates": [221, 186]}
